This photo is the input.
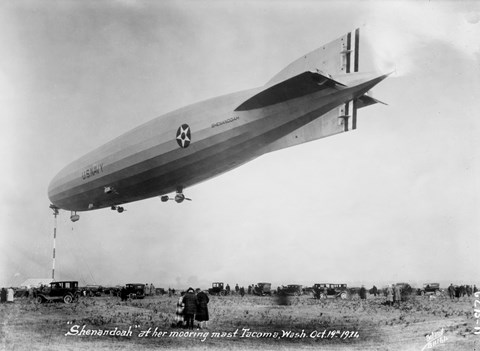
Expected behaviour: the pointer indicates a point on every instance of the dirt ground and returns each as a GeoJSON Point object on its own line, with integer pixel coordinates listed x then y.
{"type": "Point", "coordinates": [237, 323]}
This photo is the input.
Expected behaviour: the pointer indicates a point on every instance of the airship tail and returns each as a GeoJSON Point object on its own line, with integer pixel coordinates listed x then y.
{"type": "Point", "coordinates": [341, 56]}
{"type": "Point", "coordinates": [338, 66]}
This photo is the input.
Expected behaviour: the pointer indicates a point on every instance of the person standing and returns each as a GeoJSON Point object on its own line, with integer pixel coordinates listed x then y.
{"type": "Point", "coordinates": [190, 301]}
{"type": "Point", "coordinates": [123, 294]}
{"type": "Point", "coordinates": [397, 294]}
{"type": "Point", "coordinates": [10, 294]}
{"type": "Point", "coordinates": [374, 291]}
{"type": "Point", "coordinates": [363, 293]}
{"type": "Point", "coordinates": [457, 292]}
{"type": "Point", "coordinates": [451, 291]}
{"type": "Point", "coordinates": [389, 295]}
{"type": "Point", "coordinates": [179, 316]}
{"type": "Point", "coordinates": [3, 295]}
{"type": "Point", "coordinates": [202, 308]}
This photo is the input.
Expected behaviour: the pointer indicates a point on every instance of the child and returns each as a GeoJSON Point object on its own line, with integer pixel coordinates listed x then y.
{"type": "Point", "coordinates": [179, 312]}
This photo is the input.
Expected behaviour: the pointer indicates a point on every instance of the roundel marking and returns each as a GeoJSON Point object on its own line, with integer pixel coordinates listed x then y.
{"type": "Point", "coordinates": [183, 136]}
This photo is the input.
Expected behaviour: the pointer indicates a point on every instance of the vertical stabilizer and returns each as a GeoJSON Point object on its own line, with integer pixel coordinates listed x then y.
{"type": "Point", "coordinates": [338, 57]}
{"type": "Point", "coordinates": [338, 61]}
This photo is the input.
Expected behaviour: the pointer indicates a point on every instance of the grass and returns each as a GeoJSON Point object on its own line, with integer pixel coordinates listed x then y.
{"type": "Point", "coordinates": [26, 325]}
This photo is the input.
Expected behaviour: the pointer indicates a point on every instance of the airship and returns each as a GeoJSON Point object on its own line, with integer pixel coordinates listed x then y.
{"type": "Point", "coordinates": [315, 96]}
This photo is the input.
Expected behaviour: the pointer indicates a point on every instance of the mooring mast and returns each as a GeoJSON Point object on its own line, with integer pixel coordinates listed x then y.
{"type": "Point", "coordinates": [55, 213]}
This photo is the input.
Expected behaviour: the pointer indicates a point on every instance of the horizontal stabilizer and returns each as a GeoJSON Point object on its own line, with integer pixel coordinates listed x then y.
{"type": "Point", "coordinates": [365, 100]}
{"type": "Point", "coordinates": [303, 84]}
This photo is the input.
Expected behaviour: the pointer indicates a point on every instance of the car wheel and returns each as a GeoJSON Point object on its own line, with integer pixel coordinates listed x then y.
{"type": "Point", "coordinates": [39, 299]}
{"type": "Point", "coordinates": [438, 293]}
{"type": "Point", "coordinates": [323, 296]}
{"type": "Point", "coordinates": [68, 299]}
{"type": "Point", "coordinates": [422, 293]}
{"type": "Point", "coordinates": [343, 295]}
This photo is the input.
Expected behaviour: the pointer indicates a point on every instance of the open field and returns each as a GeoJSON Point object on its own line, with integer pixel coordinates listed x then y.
{"type": "Point", "coordinates": [304, 323]}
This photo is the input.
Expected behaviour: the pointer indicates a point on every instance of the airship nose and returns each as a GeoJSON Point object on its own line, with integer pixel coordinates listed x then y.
{"type": "Point", "coordinates": [52, 190]}
{"type": "Point", "coordinates": [55, 189]}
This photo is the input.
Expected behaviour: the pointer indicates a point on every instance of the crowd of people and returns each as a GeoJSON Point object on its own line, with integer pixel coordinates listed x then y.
{"type": "Point", "coordinates": [394, 295]}
{"type": "Point", "coordinates": [461, 290]}
{"type": "Point", "coordinates": [149, 289]}
{"type": "Point", "coordinates": [192, 305]}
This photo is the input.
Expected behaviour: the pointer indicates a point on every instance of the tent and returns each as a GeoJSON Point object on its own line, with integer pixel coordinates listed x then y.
{"type": "Point", "coordinates": [35, 283]}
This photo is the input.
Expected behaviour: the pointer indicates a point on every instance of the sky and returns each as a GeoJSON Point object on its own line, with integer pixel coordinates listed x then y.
{"type": "Point", "coordinates": [395, 200]}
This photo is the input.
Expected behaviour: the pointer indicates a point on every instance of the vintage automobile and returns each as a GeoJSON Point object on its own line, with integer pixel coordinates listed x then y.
{"type": "Point", "coordinates": [21, 291]}
{"type": "Point", "coordinates": [430, 289]}
{"type": "Point", "coordinates": [262, 289]}
{"type": "Point", "coordinates": [308, 290]}
{"type": "Point", "coordinates": [66, 291]}
{"type": "Point", "coordinates": [217, 289]}
{"type": "Point", "coordinates": [92, 290]}
{"type": "Point", "coordinates": [135, 290]}
{"type": "Point", "coordinates": [319, 290]}
{"type": "Point", "coordinates": [291, 290]}
{"type": "Point", "coordinates": [323, 291]}
{"type": "Point", "coordinates": [112, 290]}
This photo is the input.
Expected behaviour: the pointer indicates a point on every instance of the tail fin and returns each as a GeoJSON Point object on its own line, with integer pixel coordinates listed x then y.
{"type": "Point", "coordinates": [303, 84]}
{"type": "Point", "coordinates": [337, 62]}
{"type": "Point", "coordinates": [340, 56]}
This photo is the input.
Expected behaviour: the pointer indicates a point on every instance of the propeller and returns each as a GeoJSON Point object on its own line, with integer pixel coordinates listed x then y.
{"type": "Point", "coordinates": [179, 197]}
{"type": "Point", "coordinates": [119, 209]}
{"type": "Point", "coordinates": [165, 198]}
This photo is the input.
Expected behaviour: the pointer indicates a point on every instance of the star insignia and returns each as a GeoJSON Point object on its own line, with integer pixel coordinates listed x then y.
{"type": "Point", "coordinates": [183, 136]}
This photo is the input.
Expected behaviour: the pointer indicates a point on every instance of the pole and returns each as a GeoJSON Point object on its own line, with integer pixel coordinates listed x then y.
{"type": "Point", "coordinates": [54, 238]}
{"type": "Point", "coordinates": [55, 213]}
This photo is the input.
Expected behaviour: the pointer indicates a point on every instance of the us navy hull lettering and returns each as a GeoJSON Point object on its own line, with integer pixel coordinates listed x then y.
{"type": "Point", "coordinates": [92, 170]}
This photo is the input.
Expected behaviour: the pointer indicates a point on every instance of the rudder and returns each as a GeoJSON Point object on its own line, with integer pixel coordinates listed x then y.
{"type": "Point", "coordinates": [338, 57]}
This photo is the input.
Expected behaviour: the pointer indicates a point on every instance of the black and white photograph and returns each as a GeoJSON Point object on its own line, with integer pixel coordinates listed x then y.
{"type": "Point", "coordinates": [240, 175]}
